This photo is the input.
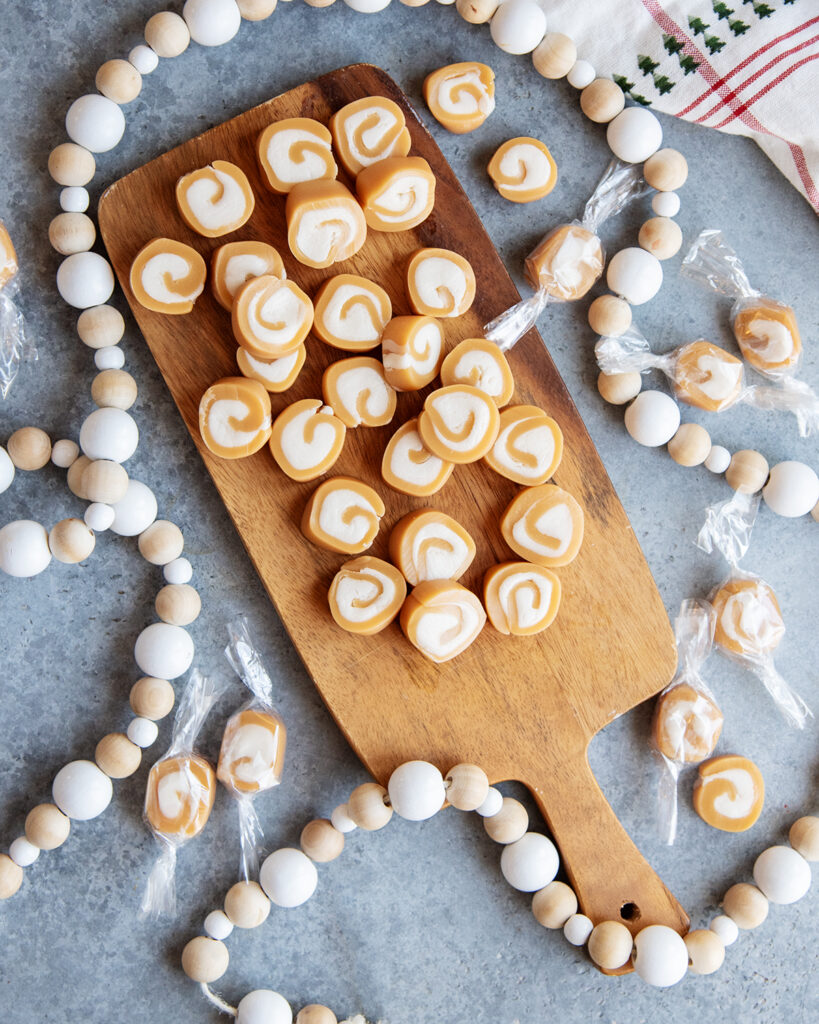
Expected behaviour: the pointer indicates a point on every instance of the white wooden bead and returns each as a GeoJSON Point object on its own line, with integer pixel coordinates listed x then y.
{"type": "Point", "coordinates": [95, 122]}
{"type": "Point", "coordinates": [137, 510]}
{"type": "Point", "coordinates": [144, 59]}
{"type": "Point", "coordinates": [23, 852]}
{"type": "Point", "coordinates": [416, 790]}
{"type": "Point", "coordinates": [104, 481]}
{"type": "Point", "coordinates": [581, 74]}
{"type": "Point", "coordinates": [288, 877]}
{"type": "Point", "coordinates": [142, 731]}
{"type": "Point", "coordinates": [70, 164]}
{"type": "Point", "coordinates": [119, 80]}
{"type": "Point", "coordinates": [178, 604]}
{"type": "Point", "coordinates": [29, 448]}
{"type": "Point", "coordinates": [492, 804]}
{"type": "Point", "coordinates": [718, 460]}
{"type": "Point", "coordinates": [530, 863]}
{"type": "Point", "coordinates": [151, 698]}
{"type": "Point", "coordinates": [163, 650]}
{"type": "Point", "coordinates": [652, 418]}
{"type": "Point", "coordinates": [74, 199]}
{"type": "Point", "coordinates": [263, 1006]}
{"type": "Point", "coordinates": [212, 22]}
{"type": "Point", "coordinates": [804, 837]}
{"type": "Point", "coordinates": [100, 326]}
{"type": "Point", "coordinates": [178, 571]}
{"type": "Point", "coordinates": [782, 874]}
{"type": "Point", "coordinates": [792, 489]}
{"type": "Point", "coordinates": [635, 275]}
{"type": "Point", "coordinates": [99, 517]}
{"type": "Point", "coordinates": [554, 904]}
{"type": "Point", "coordinates": [634, 135]}
{"type": "Point", "coordinates": [726, 928]}
{"type": "Point", "coordinates": [660, 956]}
{"type": "Point", "coordinates": [610, 945]}
{"type": "Point", "coordinates": [70, 233]}
{"type": "Point", "coordinates": [467, 787]}
{"type": "Point", "coordinates": [619, 388]}
{"type": "Point", "coordinates": [518, 26]}
{"type": "Point", "coordinates": [218, 925]}
{"type": "Point", "coordinates": [205, 960]}
{"type": "Point", "coordinates": [161, 543]}
{"type": "Point", "coordinates": [82, 790]}
{"type": "Point", "coordinates": [256, 10]}
{"type": "Point", "coordinates": [706, 952]}
{"type": "Point", "coordinates": [110, 358]}
{"type": "Point", "coordinates": [555, 56]}
{"type": "Point", "coordinates": [367, 6]}
{"type": "Point", "coordinates": [85, 279]}
{"type": "Point", "coordinates": [24, 550]}
{"type": "Point", "coordinates": [109, 434]}
{"type": "Point", "coordinates": [666, 204]}
{"type": "Point", "coordinates": [6, 470]}
{"type": "Point", "coordinates": [577, 929]}
{"type": "Point", "coordinates": [167, 34]}
{"type": "Point", "coordinates": [71, 541]}
{"type": "Point", "coordinates": [64, 453]}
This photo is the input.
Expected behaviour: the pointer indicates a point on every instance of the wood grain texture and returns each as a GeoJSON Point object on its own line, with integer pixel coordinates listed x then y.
{"type": "Point", "coordinates": [524, 708]}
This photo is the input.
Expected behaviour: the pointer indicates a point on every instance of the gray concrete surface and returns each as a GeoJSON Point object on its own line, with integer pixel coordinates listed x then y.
{"type": "Point", "coordinates": [414, 924]}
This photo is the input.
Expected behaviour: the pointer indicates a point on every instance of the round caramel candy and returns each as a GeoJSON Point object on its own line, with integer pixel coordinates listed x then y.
{"type": "Point", "coordinates": [179, 796]}
{"type": "Point", "coordinates": [441, 619]}
{"type": "Point", "coordinates": [461, 96]}
{"type": "Point", "coordinates": [325, 224]}
{"type": "Point", "coordinates": [274, 375]}
{"type": "Point", "coordinates": [768, 335]}
{"type": "Point", "coordinates": [252, 752]}
{"type": "Point", "coordinates": [366, 595]}
{"type": "Point", "coordinates": [482, 365]}
{"type": "Point", "coordinates": [439, 283]}
{"type": "Point", "coordinates": [544, 525]}
{"type": "Point", "coordinates": [271, 317]}
{"type": "Point", "coordinates": [729, 793]}
{"type": "Point", "coordinates": [410, 467]}
{"type": "Point", "coordinates": [749, 622]}
{"type": "Point", "coordinates": [459, 423]}
{"type": "Point", "coordinates": [411, 350]}
{"type": "Point", "coordinates": [235, 263]}
{"type": "Point", "coordinates": [529, 446]}
{"type": "Point", "coordinates": [368, 130]}
{"type": "Point", "coordinates": [167, 276]}
{"type": "Point", "coordinates": [234, 417]}
{"type": "Point", "coordinates": [216, 199]}
{"type": "Point", "coordinates": [707, 376]}
{"type": "Point", "coordinates": [566, 263]}
{"type": "Point", "coordinates": [295, 150]}
{"type": "Point", "coordinates": [351, 312]}
{"type": "Point", "coordinates": [521, 599]}
{"type": "Point", "coordinates": [306, 439]}
{"type": "Point", "coordinates": [523, 170]}
{"type": "Point", "coordinates": [358, 392]}
{"type": "Point", "coordinates": [687, 724]}
{"type": "Point", "coordinates": [397, 193]}
{"type": "Point", "coordinates": [343, 514]}
{"type": "Point", "coordinates": [429, 545]}
{"type": "Point", "coordinates": [8, 257]}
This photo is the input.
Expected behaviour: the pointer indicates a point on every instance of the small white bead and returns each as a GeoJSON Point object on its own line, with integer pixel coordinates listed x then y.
{"type": "Point", "coordinates": [367, 6]}
{"type": "Point", "coordinates": [518, 26]}
{"type": "Point", "coordinates": [492, 804]}
{"type": "Point", "coordinates": [134, 513]}
{"type": "Point", "coordinates": [581, 74]}
{"type": "Point", "coordinates": [179, 570]}
{"type": "Point", "coordinates": [109, 434]}
{"type": "Point", "coordinates": [726, 929]}
{"type": "Point", "coordinates": [81, 790]}
{"type": "Point", "coordinates": [212, 22]}
{"type": "Point", "coordinates": [289, 877]}
{"type": "Point", "coordinates": [660, 956]}
{"type": "Point", "coordinates": [416, 790]}
{"type": "Point", "coordinates": [85, 279]}
{"type": "Point", "coordinates": [74, 199]}
{"type": "Point", "coordinates": [23, 852]}
{"type": "Point", "coordinates": [666, 204]}
{"type": "Point", "coordinates": [164, 651]}
{"type": "Point", "coordinates": [792, 489]}
{"type": "Point", "coordinates": [652, 418]}
{"type": "Point", "coordinates": [530, 863]}
{"type": "Point", "coordinates": [64, 453]}
{"type": "Point", "coordinates": [142, 731]}
{"type": "Point", "coordinates": [99, 517]}
{"type": "Point", "coordinates": [95, 122]}
{"type": "Point", "coordinates": [144, 59]}
{"type": "Point", "coordinates": [24, 550]}
{"type": "Point", "coordinates": [218, 925]}
{"type": "Point", "coordinates": [635, 275]}
{"type": "Point", "coordinates": [109, 358]}
{"type": "Point", "coordinates": [263, 1006]}
{"type": "Point", "coordinates": [782, 874]}
{"type": "Point", "coordinates": [634, 135]}
{"type": "Point", "coordinates": [6, 470]}
{"type": "Point", "coordinates": [577, 929]}
{"type": "Point", "coordinates": [718, 459]}
{"type": "Point", "coordinates": [341, 820]}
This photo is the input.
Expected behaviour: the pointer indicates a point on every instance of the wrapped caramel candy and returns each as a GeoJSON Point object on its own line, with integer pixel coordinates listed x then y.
{"type": "Point", "coordinates": [15, 344]}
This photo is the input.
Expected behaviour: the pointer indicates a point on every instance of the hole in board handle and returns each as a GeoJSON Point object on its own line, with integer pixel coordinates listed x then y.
{"type": "Point", "coordinates": [630, 912]}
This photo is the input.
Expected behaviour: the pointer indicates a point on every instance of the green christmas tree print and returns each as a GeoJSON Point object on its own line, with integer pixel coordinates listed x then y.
{"type": "Point", "coordinates": [714, 44]}
{"type": "Point", "coordinates": [623, 82]}
{"type": "Point", "coordinates": [663, 84]}
{"type": "Point", "coordinates": [722, 11]}
{"type": "Point", "coordinates": [763, 10]}
{"type": "Point", "coordinates": [688, 64]}
{"type": "Point", "coordinates": [739, 28]}
{"type": "Point", "coordinates": [672, 45]}
{"type": "Point", "coordinates": [697, 26]}
{"type": "Point", "coordinates": [640, 99]}
{"type": "Point", "coordinates": [646, 64]}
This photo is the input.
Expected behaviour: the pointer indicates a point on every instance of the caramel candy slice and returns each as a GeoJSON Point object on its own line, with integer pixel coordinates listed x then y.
{"type": "Point", "coordinates": [325, 224]}
{"type": "Point", "coordinates": [768, 335]}
{"type": "Point", "coordinates": [307, 438]}
{"type": "Point", "coordinates": [275, 375]}
{"type": "Point", "coordinates": [358, 392]}
{"type": "Point", "coordinates": [368, 130]}
{"type": "Point", "coordinates": [521, 598]}
{"type": "Point", "coordinates": [729, 793]}
{"type": "Point", "coordinates": [397, 193]}
{"type": "Point", "coordinates": [236, 263]}
{"type": "Point", "coordinates": [216, 199]}
{"type": "Point", "coordinates": [749, 622]}
{"type": "Point", "coordinates": [179, 796]}
{"type": "Point", "coordinates": [8, 257]}
{"type": "Point", "coordinates": [461, 96]}
{"type": "Point", "coordinates": [566, 263]}
{"type": "Point", "coordinates": [271, 317]}
{"type": "Point", "coordinates": [410, 467]}
{"type": "Point", "coordinates": [351, 312]}
{"type": "Point", "coordinates": [529, 446]}
{"type": "Point", "coordinates": [366, 595]}
{"type": "Point", "coordinates": [459, 423]}
{"type": "Point", "coordinates": [293, 151]}
{"type": "Point", "coordinates": [234, 417]}
{"type": "Point", "coordinates": [167, 276]}
{"type": "Point", "coordinates": [687, 724]}
{"type": "Point", "coordinates": [544, 525]}
{"type": "Point", "coordinates": [429, 545]}
{"type": "Point", "coordinates": [252, 753]}
{"type": "Point", "coordinates": [411, 350]}
{"type": "Point", "coordinates": [343, 514]}
{"type": "Point", "coordinates": [707, 376]}
{"type": "Point", "coordinates": [482, 365]}
{"type": "Point", "coordinates": [441, 619]}
{"type": "Point", "coordinates": [523, 170]}
{"type": "Point", "coordinates": [440, 283]}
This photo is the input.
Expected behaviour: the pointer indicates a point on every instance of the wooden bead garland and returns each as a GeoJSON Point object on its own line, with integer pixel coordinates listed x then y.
{"type": "Point", "coordinates": [100, 326]}
{"type": "Point", "coordinates": [509, 824]}
{"type": "Point", "coordinates": [246, 905]}
{"type": "Point", "coordinates": [321, 841]}
{"type": "Point", "coordinates": [117, 756]}
{"type": "Point", "coordinates": [106, 481]}
{"type": "Point", "coordinates": [47, 827]}
{"type": "Point", "coordinates": [114, 389]}
{"type": "Point", "coordinates": [70, 541]}
{"type": "Point", "coordinates": [167, 34]}
{"type": "Point", "coordinates": [161, 543]}
{"type": "Point", "coordinates": [152, 698]}
{"type": "Point", "coordinates": [476, 12]}
{"type": "Point", "coordinates": [609, 315]}
{"type": "Point", "coordinates": [70, 233]}
{"type": "Point", "coordinates": [745, 905]}
{"type": "Point", "coordinates": [555, 56]}
{"type": "Point", "coordinates": [178, 603]}
{"type": "Point", "coordinates": [804, 837]}
{"type": "Point", "coordinates": [367, 808]}
{"type": "Point", "coordinates": [610, 945]}
{"type": "Point", "coordinates": [29, 448]}
{"type": "Point", "coordinates": [71, 165]}
{"type": "Point", "coordinates": [660, 236]}
{"type": "Point", "coordinates": [690, 446]}
{"type": "Point", "coordinates": [119, 80]}
{"type": "Point", "coordinates": [602, 100]}
{"type": "Point", "coordinates": [747, 472]}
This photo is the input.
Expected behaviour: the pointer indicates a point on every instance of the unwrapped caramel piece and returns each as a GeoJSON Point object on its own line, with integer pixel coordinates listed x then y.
{"type": "Point", "coordinates": [368, 130]}
{"type": "Point", "coordinates": [271, 317]}
{"type": "Point", "coordinates": [252, 753]}
{"type": "Point", "coordinates": [167, 276]}
{"type": "Point", "coordinates": [295, 150]}
{"type": "Point", "coordinates": [566, 263]}
{"type": "Point", "coordinates": [749, 622]}
{"type": "Point", "coordinates": [366, 595]}
{"type": "Point", "coordinates": [358, 392]}
{"type": "Point", "coordinates": [351, 312]}
{"type": "Point", "coordinates": [521, 599]}
{"type": "Point", "coordinates": [430, 545]}
{"type": "Point", "coordinates": [306, 439]}
{"type": "Point", "coordinates": [439, 283]}
{"type": "Point", "coordinates": [234, 417]}
{"type": "Point", "coordinates": [216, 199]}
{"type": "Point", "coordinates": [8, 257]}
{"type": "Point", "coordinates": [729, 793]}
{"type": "Point", "coordinates": [523, 170]}
{"type": "Point", "coordinates": [325, 224]}
{"type": "Point", "coordinates": [411, 350]}
{"type": "Point", "coordinates": [397, 193]}
{"type": "Point", "coordinates": [343, 514]}
{"type": "Point", "coordinates": [481, 364]}
{"type": "Point", "coordinates": [179, 796]}
{"type": "Point", "coordinates": [410, 467]}
{"type": "Point", "coordinates": [544, 525]}
{"type": "Point", "coordinates": [461, 96]}
{"type": "Point", "coordinates": [529, 446]}
{"type": "Point", "coordinates": [707, 376]}
{"type": "Point", "coordinates": [768, 335]}
{"type": "Point", "coordinates": [687, 724]}
{"type": "Point", "coordinates": [459, 423]}
{"type": "Point", "coordinates": [274, 374]}
{"type": "Point", "coordinates": [441, 619]}
{"type": "Point", "coordinates": [235, 263]}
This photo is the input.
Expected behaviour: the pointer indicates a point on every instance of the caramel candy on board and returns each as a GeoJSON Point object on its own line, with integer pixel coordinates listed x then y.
{"type": "Point", "coordinates": [274, 374]}
{"type": "Point", "coordinates": [234, 417]}
{"type": "Point", "coordinates": [271, 317]}
{"type": "Point", "coordinates": [167, 276]}
{"type": "Point", "coordinates": [368, 130]}
{"type": "Point", "coordinates": [749, 622]}
{"type": "Point", "coordinates": [235, 263]}
{"type": "Point", "coordinates": [529, 446]}
{"type": "Point", "coordinates": [351, 312]}
{"type": "Point", "coordinates": [410, 467]}
{"type": "Point", "coordinates": [411, 350]}
{"type": "Point", "coordinates": [358, 392]}
{"type": "Point", "coordinates": [366, 595]}
{"type": "Point", "coordinates": [729, 793]}
{"type": "Point", "coordinates": [397, 193]}
{"type": "Point", "coordinates": [306, 439]}
{"type": "Point", "coordinates": [295, 150]}
{"type": "Point", "coordinates": [544, 525]}
{"type": "Point", "coordinates": [429, 545]}
{"type": "Point", "coordinates": [216, 199]}
{"type": "Point", "coordinates": [687, 724]}
{"type": "Point", "coordinates": [523, 170]}
{"type": "Point", "coordinates": [325, 224]}
{"type": "Point", "coordinates": [179, 796]}
{"type": "Point", "coordinates": [439, 283]}
{"type": "Point", "coordinates": [459, 423]}
{"type": "Point", "coordinates": [461, 96]}
{"type": "Point", "coordinates": [482, 365]}
{"type": "Point", "coordinates": [8, 257]}
{"type": "Point", "coordinates": [343, 514]}
{"type": "Point", "coordinates": [707, 376]}
{"type": "Point", "coordinates": [252, 753]}
{"type": "Point", "coordinates": [521, 598]}
{"type": "Point", "coordinates": [566, 263]}
{"type": "Point", "coordinates": [768, 335]}
{"type": "Point", "coordinates": [441, 619]}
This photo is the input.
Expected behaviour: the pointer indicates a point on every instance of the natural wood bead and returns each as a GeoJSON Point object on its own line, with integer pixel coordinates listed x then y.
{"type": "Point", "coordinates": [666, 170]}
{"type": "Point", "coordinates": [327, 3]}
{"type": "Point", "coordinates": [100, 326]}
{"type": "Point", "coordinates": [167, 34]}
{"type": "Point", "coordinates": [619, 388]}
{"type": "Point", "coordinates": [119, 80]}
{"type": "Point", "coordinates": [660, 236]}
{"type": "Point", "coordinates": [75, 474]}
{"type": "Point", "coordinates": [746, 905]}
{"type": "Point", "coordinates": [246, 905]}
{"type": "Point", "coordinates": [70, 541]}
{"type": "Point", "coordinates": [747, 472]}
{"type": "Point", "coordinates": [320, 841]}
{"type": "Point", "coordinates": [690, 445]}
{"type": "Point", "coordinates": [161, 543]}
{"type": "Point", "coordinates": [509, 824]}
{"type": "Point", "coordinates": [706, 951]}
{"type": "Point", "coordinates": [316, 1014]}
{"type": "Point", "coordinates": [71, 232]}
{"type": "Point", "coordinates": [204, 959]}
{"type": "Point", "coordinates": [602, 101]}
{"type": "Point", "coordinates": [610, 945]}
{"type": "Point", "coordinates": [105, 481]}
{"type": "Point", "coordinates": [554, 905]}
{"type": "Point", "coordinates": [29, 448]}
{"type": "Point", "coordinates": [47, 827]}
{"type": "Point", "coordinates": [152, 698]}
{"type": "Point", "coordinates": [406, 3]}
{"type": "Point", "coordinates": [804, 837]}
{"type": "Point", "coordinates": [609, 316]}
{"type": "Point", "coordinates": [555, 55]}
{"type": "Point", "coordinates": [366, 807]}
{"type": "Point", "coordinates": [256, 10]}
{"type": "Point", "coordinates": [70, 164]}
{"type": "Point", "coordinates": [114, 389]}
{"type": "Point", "coordinates": [467, 786]}
{"type": "Point", "coordinates": [117, 756]}
{"type": "Point", "coordinates": [815, 512]}
{"type": "Point", "coordinates": [11, 876]}
{"type": "Point", "coordinates": [178, 603]}
{"type": "Point", "coordinates": [476, 12]}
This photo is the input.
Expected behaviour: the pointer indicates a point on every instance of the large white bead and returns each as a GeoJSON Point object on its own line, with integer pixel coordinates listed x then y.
{"type": "Point", "coordinates": [530, 863]}
{"type": "Point", "coordinates": [577, 929]}
{"type": "Point", "coordinates": [634, 135]}
{"type": "Point", "coordinates": [22, 852]}
{"type": "Point", "coordinates": [134, 513]}
{"type": "Point", "coordinates": [792, 489]}
{"type": "Point", "coordinates": [518, 26]}
{"type": "Point", "coordinates": [163, 651]}
{"type": "Point", "coordinates": [212, 22]}
{"type": "Point", "coordinates": [367, 6]}
{"type": "Point", "coordinates": [24, 549]}
{"type": "Point", "coordinates": [6, 470]}
{"type": "Point", "coordinates": [416, 790]}
{"type": "Point", "coordinates": [660, 956]}
{"type": "Point", "coordinates": [85, 279]}
{"type": "Point", "coordinates": [634, 274]}
{"type": "Point", "coordinates": [81, 790]}
{"type": "Point", "coordinates": [109, 434]}
{"type": "Point", "coordinates": [264, 1006]}
{"type": "Point", "coordinates": [652, 418]}
{"type": "Point", "coordinates": [95, 122]}
{"type": "Point", "coordinates": [782, 874]}
{"type": "Point", "coordinates": [289, 877]}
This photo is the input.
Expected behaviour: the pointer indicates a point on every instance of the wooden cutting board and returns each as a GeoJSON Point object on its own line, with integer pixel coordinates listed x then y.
{"type": "Point", "coordinates": [522, 708]}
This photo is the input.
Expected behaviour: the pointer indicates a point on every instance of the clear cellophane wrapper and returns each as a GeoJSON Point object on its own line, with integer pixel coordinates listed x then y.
{"type": "Point", "coordinates": [15, 341]}
{"type": "Point", "coordinates": [253, 746]}
{"type": "Point", "coordinates": [685, 730]}
{"type": "Point", "coordinates": [583, 257]}
{"type": "Point", "coordinates": [198, 697]}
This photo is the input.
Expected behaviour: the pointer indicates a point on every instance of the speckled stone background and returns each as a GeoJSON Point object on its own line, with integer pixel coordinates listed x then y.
{"type": "Point", "coordinates": [413, 924]}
